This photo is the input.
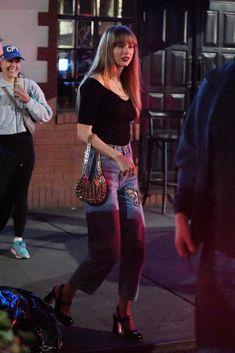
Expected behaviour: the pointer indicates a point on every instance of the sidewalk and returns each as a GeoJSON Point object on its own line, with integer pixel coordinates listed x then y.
{"type": "Point", "coordinates": [164, 312]}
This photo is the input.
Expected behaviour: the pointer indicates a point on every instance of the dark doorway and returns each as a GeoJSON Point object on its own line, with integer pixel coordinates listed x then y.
{"type": "Point", "coordinates": [180, 40]}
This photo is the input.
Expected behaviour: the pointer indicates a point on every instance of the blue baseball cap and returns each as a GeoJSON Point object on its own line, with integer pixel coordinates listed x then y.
{"type": "Point", "coordinates": [11, 52]}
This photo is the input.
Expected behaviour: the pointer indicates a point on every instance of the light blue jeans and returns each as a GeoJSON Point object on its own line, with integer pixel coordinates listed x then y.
{"type": "Point", "coordinates": [116, 230]}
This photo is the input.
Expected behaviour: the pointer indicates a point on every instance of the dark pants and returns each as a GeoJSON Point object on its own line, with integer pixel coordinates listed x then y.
{"type": "Point", "coordinates": [9, 165]}
{"type": "Point", "coordinates": [19, 166]}
{"type": "Point", "coordinates": [215, 302]}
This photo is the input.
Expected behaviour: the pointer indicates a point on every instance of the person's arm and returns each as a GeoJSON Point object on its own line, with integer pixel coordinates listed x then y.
{"type": "Point", "coordinates": [34, 101]}
{"type": "Point", "coordinates": [183, 237]}
{"type": "Point", "coordinates": [125, 165]}
{"type": "Point", "coordinates": [188, 166]}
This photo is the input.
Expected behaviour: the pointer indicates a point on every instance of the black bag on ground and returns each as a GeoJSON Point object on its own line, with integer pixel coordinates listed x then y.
{"type": "Point", "coordinates": [29, 313]}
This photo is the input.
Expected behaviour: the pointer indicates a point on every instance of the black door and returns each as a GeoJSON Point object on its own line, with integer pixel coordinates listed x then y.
{"type": "Point", "coordinates": [180, 40]}
{"type": "Point", "coordinates": [215, 44]}
{"type": "Point", "coordinates": [167, 54]}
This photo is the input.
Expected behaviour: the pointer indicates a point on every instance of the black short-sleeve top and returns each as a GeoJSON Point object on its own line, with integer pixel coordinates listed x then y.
{"type": "Point", "coordinates": [109, 115]}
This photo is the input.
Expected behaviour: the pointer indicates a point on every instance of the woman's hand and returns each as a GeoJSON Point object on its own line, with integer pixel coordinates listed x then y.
{"type": "Point", "coordinates": [21, 94]}
{"type": "Point", "coordinates": [127, 167]}
{"type": "Point", "coordinates": [183, 236]}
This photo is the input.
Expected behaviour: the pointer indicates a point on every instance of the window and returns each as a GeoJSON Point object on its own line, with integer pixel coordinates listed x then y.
{"type": "Point", "coordinates": [80, 23]}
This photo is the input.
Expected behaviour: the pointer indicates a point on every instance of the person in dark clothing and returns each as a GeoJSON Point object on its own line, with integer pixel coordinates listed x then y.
{"type": "Point", "coordinates": [205, 206]}
{"type": "Point", "coordinates": [9, 163]}
{"type": "Point", "coordinates": [109, 101]}
{"type": "Point", "coordinates": [17, 104]}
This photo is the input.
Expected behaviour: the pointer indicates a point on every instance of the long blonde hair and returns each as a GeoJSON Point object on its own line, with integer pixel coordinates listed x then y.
{"type": "Point", "coordinates": [104, 63]}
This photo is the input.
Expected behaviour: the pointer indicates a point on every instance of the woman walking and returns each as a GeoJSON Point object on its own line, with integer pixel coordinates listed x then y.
{"type": "Point", "coordinates": [109, 101]}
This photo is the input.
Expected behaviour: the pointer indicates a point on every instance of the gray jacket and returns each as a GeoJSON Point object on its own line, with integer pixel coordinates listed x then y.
{"type": "Point", "coordinates": [11, 117]}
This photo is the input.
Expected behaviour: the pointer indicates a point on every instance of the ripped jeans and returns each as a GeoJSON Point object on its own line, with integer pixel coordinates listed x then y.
{"type": "Point", "coordinates": [116, 231]}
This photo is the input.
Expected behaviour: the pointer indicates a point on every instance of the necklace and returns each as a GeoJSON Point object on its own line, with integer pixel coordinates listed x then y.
{"type": "Point", "coordinates": [119, 89]}
{"type": "Point", "coordinates": [117, 84]}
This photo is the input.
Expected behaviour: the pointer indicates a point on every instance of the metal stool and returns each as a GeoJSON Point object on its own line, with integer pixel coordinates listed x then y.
{"type": "Point", "coordinates": [163, 131]}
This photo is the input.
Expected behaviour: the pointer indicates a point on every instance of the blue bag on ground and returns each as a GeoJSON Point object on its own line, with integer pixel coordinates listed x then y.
{"type": "Point", "coordinates": [29, 313]}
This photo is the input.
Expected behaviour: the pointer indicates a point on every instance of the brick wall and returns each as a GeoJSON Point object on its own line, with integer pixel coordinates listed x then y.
{"type": "Point", "coordinates": [58, 160]}
{"type": "Point", "coordinates": [58, 152]}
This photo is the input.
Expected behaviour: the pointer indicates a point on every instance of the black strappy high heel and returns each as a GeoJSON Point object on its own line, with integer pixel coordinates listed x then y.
{"type": "Point", "coordinates": [65, 319]}
{"type": "Point", "coordinates": [120, 329]}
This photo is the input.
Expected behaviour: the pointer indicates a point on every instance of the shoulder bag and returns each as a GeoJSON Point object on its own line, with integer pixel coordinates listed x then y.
{"type": "Point", "coordinates": [91, 187]}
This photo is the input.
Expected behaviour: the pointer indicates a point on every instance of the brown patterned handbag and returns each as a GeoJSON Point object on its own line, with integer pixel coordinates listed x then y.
{"type": "Point", "coordinates": [91, 188]}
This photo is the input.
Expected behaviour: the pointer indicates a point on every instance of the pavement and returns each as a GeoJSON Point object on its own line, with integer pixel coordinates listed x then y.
{"type": "Point", "coordinates": [164, 312]}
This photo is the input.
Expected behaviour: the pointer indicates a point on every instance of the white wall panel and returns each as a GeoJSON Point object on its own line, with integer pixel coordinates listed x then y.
{"type": "Point", "coordinates": [19, 26]}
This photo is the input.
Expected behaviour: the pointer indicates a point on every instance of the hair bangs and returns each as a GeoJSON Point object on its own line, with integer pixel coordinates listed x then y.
{"type": "Point", "coordinates": [124, 37]}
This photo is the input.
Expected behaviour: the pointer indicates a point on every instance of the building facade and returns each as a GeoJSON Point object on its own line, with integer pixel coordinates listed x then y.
{"type": "Point", "coordinates": [179, 41]}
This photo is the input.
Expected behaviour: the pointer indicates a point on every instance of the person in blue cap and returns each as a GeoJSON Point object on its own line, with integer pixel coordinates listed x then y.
{"type": "Point", "coordinates": [21, 105]}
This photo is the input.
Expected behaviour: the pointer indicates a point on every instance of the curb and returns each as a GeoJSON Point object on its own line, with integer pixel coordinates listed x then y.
{"type": "Point", "coordinates": [173, 347]}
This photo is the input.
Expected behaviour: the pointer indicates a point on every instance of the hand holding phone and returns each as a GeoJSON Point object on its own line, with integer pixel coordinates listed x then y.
{"type": "Point", "coordinates": [19, 90]}
{"type": "Point", "coordinates": [18, 81]}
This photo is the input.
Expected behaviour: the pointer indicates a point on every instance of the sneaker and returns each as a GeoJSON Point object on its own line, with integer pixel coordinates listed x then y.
{"type": "Point", "coordinates": [18, 249]}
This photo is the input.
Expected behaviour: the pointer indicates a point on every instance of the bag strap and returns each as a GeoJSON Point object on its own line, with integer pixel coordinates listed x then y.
{"type": "Point", "coordinates": [28, 120]}
{"type": "Point", "coordinates": [11, 97]}
{"type": "Point", "coordinates": [86, 157]}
